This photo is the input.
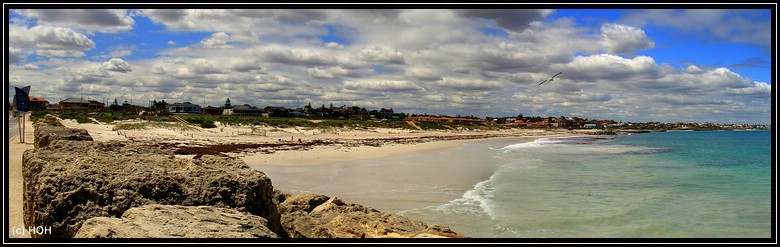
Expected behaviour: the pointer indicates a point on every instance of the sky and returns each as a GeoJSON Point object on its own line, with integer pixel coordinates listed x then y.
{"type": "Point", "coordinates": [655, 64]}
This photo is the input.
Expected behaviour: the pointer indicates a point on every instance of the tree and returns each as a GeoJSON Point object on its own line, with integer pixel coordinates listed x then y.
{"type": "Point", "coordinates": [162, 105]}
{"type": "Point", "coordinates": [115, 106]}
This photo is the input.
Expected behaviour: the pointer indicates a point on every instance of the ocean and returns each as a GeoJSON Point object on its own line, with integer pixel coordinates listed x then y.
{"type": "Point", "coordinates": [695, 184]}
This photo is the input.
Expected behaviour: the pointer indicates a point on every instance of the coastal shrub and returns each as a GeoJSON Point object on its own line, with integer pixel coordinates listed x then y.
{"type": "Point", "coordinates": [207, 124]}
{"type": "Point", "coordinates": [431, 125]}
{"type": "Point", "coordinates": [38, 113]}
{"type": "Point", "coordinates": [84, 119]}
{"type": "Point", "coordinates": [47, 119]}
{"type": "Point", "coordinates": [105, 119]}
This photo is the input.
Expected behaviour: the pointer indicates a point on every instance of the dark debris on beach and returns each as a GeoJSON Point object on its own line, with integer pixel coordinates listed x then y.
{"type": "Point", "coordinates": [269, 148]}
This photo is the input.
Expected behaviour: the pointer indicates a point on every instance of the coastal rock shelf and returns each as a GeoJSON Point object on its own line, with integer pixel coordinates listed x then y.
{"type": "Point", "coordinates": [113, 186]}
{"type": "Point", "coordinates": [319, 216]}
{"type": "Point", "coordinates": [167, 221]}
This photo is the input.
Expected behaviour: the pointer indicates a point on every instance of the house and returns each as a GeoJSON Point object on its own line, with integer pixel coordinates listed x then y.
{"type": "Point", "coordinates": [589, 126]}
{"type": "Point", "coordinates": [210, 110]}
{"type": "Point", "coordinates": [185, 107]}
{"type": "Point", "coordinates": [38, 103]}
{"type": "Point", "coordinates": [80, 104]}
{"type": "Point", "coordinates": [242, 110]}
{"type": "Point", "coordinates": [275, 111]}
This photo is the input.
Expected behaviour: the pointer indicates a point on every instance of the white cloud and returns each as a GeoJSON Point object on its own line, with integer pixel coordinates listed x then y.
{"type": "Point", "coordinates": [461, 84]}
{"type": "Point", "coordinates": [606, 67]}
{"type": "Point", "coordinates": [622, 39]}
{"type": "Point", "coordinates": [30, 66]}
{"type": "Point", "coordinates": [117, 65]}
{"type": "Point", "coordinates": [217, 40]}
{"type": "Point", "coordinates": [693, 69]}
{"type": "Point", "coordinates": [382, 85]}
{"type": "Point", "coordinates": [757, 89]}
{"type": "Point", "coordinates": [381, 55]}
{"type": "Point", "coordinates": [59, 53]}
{"type": "Point", "coordinates": [423, 73]}
{"type": "Point", "coordinates": [334, 45]}
{"type": "Point", "coordinates": [244, 64]}
{"type": "Point", "coordinates": [50, 41]}
{"type": "Point", "coordinates": [329, 73]}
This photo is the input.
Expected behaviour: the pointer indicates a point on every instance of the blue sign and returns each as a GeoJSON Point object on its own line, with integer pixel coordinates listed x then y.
{"type": "Point", "coordinates": [22, 99]}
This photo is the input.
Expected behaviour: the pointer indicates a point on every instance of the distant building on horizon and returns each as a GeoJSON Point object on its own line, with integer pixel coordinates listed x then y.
{"type": "Point", "coordinates": [38, 103]}
{"type": "Point", "coordinates": [80, 104]}
{"type": "Point", "coordinates": [185, 107]}
{"type": "Point", "coordinates": [210, 110]}
{"type": "Point", "coordinates": [275, 111]}
{"type": "Point", "coordinates": [243, 110]}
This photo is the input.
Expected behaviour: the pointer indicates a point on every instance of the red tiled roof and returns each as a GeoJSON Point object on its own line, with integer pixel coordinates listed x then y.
{"type": "Point", "coordinates": [36, 99]}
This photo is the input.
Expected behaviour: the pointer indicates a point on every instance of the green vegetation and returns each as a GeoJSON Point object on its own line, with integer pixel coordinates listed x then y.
{"type": "Point", "coordinates": [44, 119]}
{"type": "Point", "coordinates": [203, 122]}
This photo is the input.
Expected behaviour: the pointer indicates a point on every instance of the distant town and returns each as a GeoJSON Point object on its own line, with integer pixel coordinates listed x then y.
{"type": "Point", "coordinates": [70, 106]}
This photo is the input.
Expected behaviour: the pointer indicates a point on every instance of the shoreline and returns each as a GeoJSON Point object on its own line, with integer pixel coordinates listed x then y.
{"type": "Point", "coordinates": [392, 178]}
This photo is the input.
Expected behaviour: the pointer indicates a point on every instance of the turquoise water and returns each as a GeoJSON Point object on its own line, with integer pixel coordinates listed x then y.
{"type": "Point", "coordinates": [708, 184]}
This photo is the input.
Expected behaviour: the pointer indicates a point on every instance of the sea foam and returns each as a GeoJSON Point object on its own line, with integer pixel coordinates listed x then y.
{"type": "Point", "coordinates": [477, 200]}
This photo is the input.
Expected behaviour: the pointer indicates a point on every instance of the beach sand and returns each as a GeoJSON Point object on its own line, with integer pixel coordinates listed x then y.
{"type": "Point", "coordinates": [15, 179]}
{"type": "Point", "coordinates": [390, 178]}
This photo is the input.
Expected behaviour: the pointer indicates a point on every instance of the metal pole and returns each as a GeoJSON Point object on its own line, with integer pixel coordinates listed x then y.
{"type": "Point", "coordinates": [21, 128]}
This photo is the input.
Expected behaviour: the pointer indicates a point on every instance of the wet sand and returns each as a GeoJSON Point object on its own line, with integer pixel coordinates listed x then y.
{"type": "Point", "coordinates": [390, 178]}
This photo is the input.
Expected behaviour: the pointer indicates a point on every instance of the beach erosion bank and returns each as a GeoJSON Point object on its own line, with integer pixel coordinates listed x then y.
{"type": "Point", "coordinates": [332, 146]}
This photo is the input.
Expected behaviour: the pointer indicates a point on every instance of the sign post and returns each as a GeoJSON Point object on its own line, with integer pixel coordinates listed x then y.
{"type": "Point", "coordinates": [22, 104]}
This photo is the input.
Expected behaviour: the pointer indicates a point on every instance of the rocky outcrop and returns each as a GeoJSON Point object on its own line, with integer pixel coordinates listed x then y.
{"type": "Point", "coordinates": [68, 182]}
{"type": "Point", "coordinates": [320, 216]}
{"type": "Point", "coordinates": [115, 190]}
{"type": "Point", "coordinates": [170, 221]}
{"type": "Point", "coordinates": [45, 134]}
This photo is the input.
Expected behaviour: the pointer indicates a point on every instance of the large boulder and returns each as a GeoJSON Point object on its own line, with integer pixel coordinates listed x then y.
{"type": "Point", "coordinates": [170, 221]}
{"type": "Point", "coordinates": [320, 216]}
{"type": "Point", "coordinates": [68, 182]}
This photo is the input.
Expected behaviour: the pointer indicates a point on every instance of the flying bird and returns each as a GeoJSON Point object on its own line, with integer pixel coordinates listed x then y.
{"type": "Point", "coordinates": [551, 78]}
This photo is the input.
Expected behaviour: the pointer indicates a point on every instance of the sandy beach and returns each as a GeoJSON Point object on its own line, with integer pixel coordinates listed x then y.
{"type": "Point", "coordinates": [306, 160]}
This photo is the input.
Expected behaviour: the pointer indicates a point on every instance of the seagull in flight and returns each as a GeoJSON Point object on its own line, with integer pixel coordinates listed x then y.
{"type": "Point", "coordinates": [551, 78]}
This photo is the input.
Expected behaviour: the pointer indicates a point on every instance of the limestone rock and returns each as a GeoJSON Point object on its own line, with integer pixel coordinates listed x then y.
{"type": "Point", "coordinates": [169, 221]}
{"type": "Point", "coordinates": [45, 134]}
{"type": "Point", "coordinates": [319, 216]}
{"type": "Point", "coordinates": [67, 182]}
